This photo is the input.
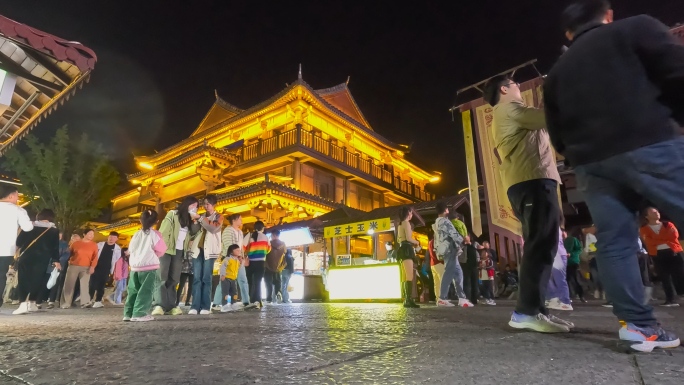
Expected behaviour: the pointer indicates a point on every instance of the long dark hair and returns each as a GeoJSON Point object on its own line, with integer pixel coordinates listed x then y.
{"type": "Point", "coordinates": [404, 213]}
{"type": "Point", "coordinates": [258, 226]}
{"type": "Point", "coordinates": [183, 214]}
{"type": "Point", "coordinates": [148, 219]}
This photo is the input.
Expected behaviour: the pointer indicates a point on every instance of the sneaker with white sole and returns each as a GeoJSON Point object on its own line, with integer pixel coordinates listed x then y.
{"type": "Point", "coordinates": [126, 319]}
{"type": "Point", "coordinates": [560, 321]}
{"type": "Point", "coordinates": [445, 303]}
{"type": "Point", "coordinates": [490, 302]}
{"type": "Point", "coordinates": [463, 302]}
{"type": "Point", "coordinates": [205, 312]}
{"type": "Point", "coordinates": [556, 304]}
{"type": "Point", "coordinates": [158, 310]}
{"type": "Point", "coordinates": [226, 308]}
{"type": "Point", "coordinates": [176, 311]}
{"type": "Point", "coordinates": [192, 312]}
{"type": "Point", "coordinates": [645, 339]}
{"type": "Point", "coordinates": [33, 307]}
{"type": "Point", "coordinates": [666, 304]}
{"type": "Point", "coordinates": [22, 309]}
{"type": "Point", "coordinates": [98, 305]}
{"type": "Point", "coordinates": [238, 306]}
{"type": "Point", "coordinates": [279, 298]}
{"type": "Point", "coordinates": [144, 318]}
{"type": "Point", "coordinates": [539, 323]}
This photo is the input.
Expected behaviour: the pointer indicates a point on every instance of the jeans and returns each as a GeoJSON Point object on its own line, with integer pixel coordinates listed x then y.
{"type": "Point", "coordinates": [273, 285]}
{"type": "Point", "coordinates": [201, 286]}
{"type": "Point", "coordinates": [120, 288]}
{"type": "Point", "coordinates": [141, 288]}
{"type": "Point", "coordinates": [558, 284]}
{"type": "Point", "coordinates": [255, 274]}
{"type": "Point", "coordinates": [613, 190]}
{"type": "Point", "coordinates": [169, 271]}
{"type": "Point", "coordinates": [243, 283]}
{"type": "Point", "coordinates": [5, 263]}
{"type": "Point", "coordinates": [216, 290]}
{"type": "Point", "coordinates": [487, 289]}
{"type": "Point", "coordinates": [535, 204]}
{"type": "Point", "coordinates": [452, 272]}
{"type": "Point", "coordinates": [572, 277]}
{"type": "Point", "coordinates": [670, 269]}
{"type": "Point", "coordinates": [284, 282]}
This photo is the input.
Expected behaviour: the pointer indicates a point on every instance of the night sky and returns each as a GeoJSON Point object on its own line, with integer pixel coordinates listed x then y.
{"type": "Point", "coordinates": [158, 64]}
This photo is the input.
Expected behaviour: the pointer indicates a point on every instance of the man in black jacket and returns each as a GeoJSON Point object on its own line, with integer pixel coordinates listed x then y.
{"type": "Point", "coordinates": [612, 105]}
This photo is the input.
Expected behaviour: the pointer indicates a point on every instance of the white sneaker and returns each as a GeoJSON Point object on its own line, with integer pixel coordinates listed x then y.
{"type": "Point", "coordinates": [279, 298]}
{"type": "Point", "coordinates": [560, 321]}
{"type": "Point", "coordinates": [33, 307]}
{"type": "Point", "coordinates": [22, 309]}
{"type": "Point", "coordinates": [463, 302]}
{"type": "Point", "coordinates": [539, 323]}
{"type": "Point", "coordinates": [145, 318]}
{"type": "Point", "coordinates": [238, 306]}
{"type": "Point", "coordinates": [126, 319]}
{"type": "Point", "coordinates": [192, 312]}
{"type": "Point", "coordinates": [490, 302]}
{"type": "Point", "coordinates": [204, 312]}
{"type": "Point", "coordinates": [226, 308]}
{"type": "Point", "coordinates": [98, 305]}
{"type": "Point", "coordinates": [15, 302]}
{"type": "Point", "coordinates": [556, 304]}
{"type": "Point", "coordinates": [257, 305]}
{"type": "Point", "coordinates": [445, 303]}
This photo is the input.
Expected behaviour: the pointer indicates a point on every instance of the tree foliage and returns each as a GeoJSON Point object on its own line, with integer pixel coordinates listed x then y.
{"type": "Point", "coordinates": [73, 178]}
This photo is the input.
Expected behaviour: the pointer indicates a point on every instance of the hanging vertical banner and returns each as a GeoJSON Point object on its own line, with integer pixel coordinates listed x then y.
{"type": "Point", "coordinates": [471, 163]}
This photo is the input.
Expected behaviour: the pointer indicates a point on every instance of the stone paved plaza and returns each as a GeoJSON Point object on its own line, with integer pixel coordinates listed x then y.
{"type": "Point", "coordinates": [326, 344]}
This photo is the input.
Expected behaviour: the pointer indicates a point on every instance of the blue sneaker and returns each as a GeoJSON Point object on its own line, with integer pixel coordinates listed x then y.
{"type": "Point", "coordinates": [539, 323]}
{"type": "Point", "coordinates": [645, 339]}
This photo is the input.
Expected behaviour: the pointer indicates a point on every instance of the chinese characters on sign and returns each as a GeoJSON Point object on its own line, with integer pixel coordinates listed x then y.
{"type": "Point", "coordinates": [365, 227]}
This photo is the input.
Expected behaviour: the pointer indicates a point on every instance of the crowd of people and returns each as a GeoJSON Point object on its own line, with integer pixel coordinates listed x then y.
{"type": "Point", "coordinates": [151, 272]}
{"type": "Point", "coordinates": [612, 109]}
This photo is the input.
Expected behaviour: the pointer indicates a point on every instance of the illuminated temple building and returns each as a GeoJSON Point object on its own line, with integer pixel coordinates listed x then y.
{"type": "Point", "coordinates": [295, 156]}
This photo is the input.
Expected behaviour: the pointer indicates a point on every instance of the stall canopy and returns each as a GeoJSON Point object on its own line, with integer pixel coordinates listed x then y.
{"type": "Point", "coordinates": [38, 71]}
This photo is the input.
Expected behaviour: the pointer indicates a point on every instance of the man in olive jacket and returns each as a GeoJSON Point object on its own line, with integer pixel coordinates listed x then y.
{"type": "Point", "coordinates": [530, 176]}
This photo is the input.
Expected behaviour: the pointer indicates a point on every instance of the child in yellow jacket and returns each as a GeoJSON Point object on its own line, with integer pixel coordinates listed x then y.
{"type": "Point", "coordinates": [228, 273]}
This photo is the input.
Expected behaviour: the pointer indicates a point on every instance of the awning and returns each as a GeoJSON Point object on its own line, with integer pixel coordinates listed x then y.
{"type": "Point", "coordinates": [37, 71]}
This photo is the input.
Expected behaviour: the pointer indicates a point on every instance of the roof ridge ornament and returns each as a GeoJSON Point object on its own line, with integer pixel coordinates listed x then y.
{"type": "Point", "coordinates": [299, 75]}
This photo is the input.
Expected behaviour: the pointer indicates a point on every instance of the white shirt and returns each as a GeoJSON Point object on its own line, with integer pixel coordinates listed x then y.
{"type": "Point", "coordinates": [656, 229]}
{"type": "Point", "coordinates": [12, 217]}
{"type": "Point", "coordinates": [182, 234]}
{"type": "Point", "coordinates": [589, 240]}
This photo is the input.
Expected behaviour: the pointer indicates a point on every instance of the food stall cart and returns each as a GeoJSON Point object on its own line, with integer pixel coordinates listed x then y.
{"type": "Point", "coordinates": [360, 271]}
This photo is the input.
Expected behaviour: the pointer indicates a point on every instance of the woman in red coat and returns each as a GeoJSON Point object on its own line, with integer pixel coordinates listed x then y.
{"type": "Point", "coordinates": [662, 243]}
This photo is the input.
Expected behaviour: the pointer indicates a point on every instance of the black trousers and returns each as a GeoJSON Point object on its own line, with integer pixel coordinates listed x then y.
{"type": "Point", "coordinates": [5, 263]}
{"type": "Point", "coordinates": [470, 282]}
{"type": "Point", "coordinates": [255, 274]}
{"type": "Point", "coordinates": [44, 293]}
{"type": "Point", "coordinates": [670, 269]}
{"type": "Point", "coordinates": [272, 280]}
{"type": "Point", "coordinates": [184, 277]}
{"type": "Point", "coordinates": [572, 276]}
{"type": "Point", "coordinates": [535, 203]}
{"type": "Point", "coordinates": [31, 277]}
{"type": "Point", "coordinates": [98, 280]}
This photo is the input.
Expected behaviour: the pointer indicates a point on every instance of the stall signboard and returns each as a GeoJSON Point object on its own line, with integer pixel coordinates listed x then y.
{"type": "Point", "coordinates": [365, 227]}
{"type": "Point", "coordinates": [343, 260]}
